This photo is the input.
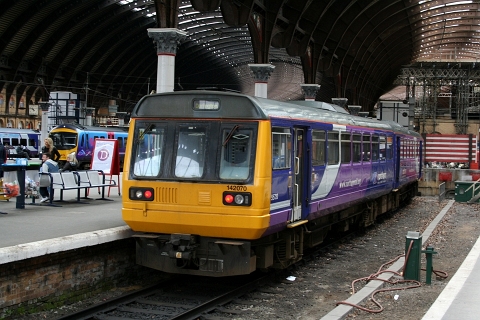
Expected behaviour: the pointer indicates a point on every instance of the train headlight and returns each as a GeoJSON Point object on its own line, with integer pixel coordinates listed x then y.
{"type": "Point", "coordinates": [237, 198]}
{"type": "Point", "coordinates": [143, 194]}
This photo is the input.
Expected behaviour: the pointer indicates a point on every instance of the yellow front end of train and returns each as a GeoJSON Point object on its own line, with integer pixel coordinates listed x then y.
{"type": "Point", "coordinates": [199, 207]}
{"type": "Point", "coordinates": [197, 183]}
{"type": "Point", "coordinates": [65, 140]}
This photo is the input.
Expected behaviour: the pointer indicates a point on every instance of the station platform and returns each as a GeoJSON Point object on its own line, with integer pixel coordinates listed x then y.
{"type": "Point", "coordinates": [41, 229]}
{"type": "Point", "coordinates": [459, 299]}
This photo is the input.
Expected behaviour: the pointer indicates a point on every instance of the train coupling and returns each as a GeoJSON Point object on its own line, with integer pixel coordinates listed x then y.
{"type": "Point", "coordinates": [182, 246]}
{"type": "Point", "coordinates": [192, 254]}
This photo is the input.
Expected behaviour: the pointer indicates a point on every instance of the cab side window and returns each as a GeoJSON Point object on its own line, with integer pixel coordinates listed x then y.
{"type": "Point", "coordinates": [281, 148]}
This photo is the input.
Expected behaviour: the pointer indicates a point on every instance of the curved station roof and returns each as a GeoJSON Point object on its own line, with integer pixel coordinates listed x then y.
{"type": "Point", "coordinates": [352, 49]}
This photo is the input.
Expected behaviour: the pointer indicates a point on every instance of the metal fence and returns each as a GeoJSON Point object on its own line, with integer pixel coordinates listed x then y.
{"type": "Point", "coordinates": [441, 191]}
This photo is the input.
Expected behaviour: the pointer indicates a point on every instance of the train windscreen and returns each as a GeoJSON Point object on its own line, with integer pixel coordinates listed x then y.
{"type": "Point", "coordinates": [64, 140]}
{"type": "Point", "coordinates": [210, 150]}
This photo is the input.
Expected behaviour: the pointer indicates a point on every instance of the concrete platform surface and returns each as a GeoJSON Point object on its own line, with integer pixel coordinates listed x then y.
{"type": "Point", "coordinates": [41, 229]}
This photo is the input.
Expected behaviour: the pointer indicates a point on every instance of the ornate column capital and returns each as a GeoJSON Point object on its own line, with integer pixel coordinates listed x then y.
{"type": "Point", "coordinates": [44, 105]}
{"type": "Point", "coordinates": [166, 40]}
{"type": "Point", "coordinates": [261, 72]}
{"type": "Point", "coordinates": [354, 110]}
{"type": "Point", "coordinates": [341, 102]}
{"type": "Point", "coordinates": [310, 90]}
{"type": "Point", "coordinates": [89, 111]}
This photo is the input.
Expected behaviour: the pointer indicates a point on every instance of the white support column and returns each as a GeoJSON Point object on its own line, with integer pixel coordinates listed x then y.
{"type": "Point", "coordinates": [88, 116]}
{"type": "Point", "coordinates": [44, 130]}
{"type": "Point", "coordinates": [261, 73]}
{"type": "Point", "coordinates": [166, 41]}
{"type": "Point", "coordinates": [310, 91]}
{"type": "Point", "coordinates": [121, 118]}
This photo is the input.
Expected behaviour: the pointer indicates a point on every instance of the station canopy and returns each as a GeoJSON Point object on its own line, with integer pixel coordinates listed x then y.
{"type": "Point", "coordinates": [352, 49]}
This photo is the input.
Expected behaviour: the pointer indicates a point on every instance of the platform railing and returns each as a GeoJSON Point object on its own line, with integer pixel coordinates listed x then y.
{"type": "Point", "coordinates": [475, 189]}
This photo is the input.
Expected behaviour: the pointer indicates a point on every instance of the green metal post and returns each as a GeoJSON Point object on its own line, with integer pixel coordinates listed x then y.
{"type": "Point", "coordinates": [413, 249]}
{"type": "Point", "coordinates": [429, 256]}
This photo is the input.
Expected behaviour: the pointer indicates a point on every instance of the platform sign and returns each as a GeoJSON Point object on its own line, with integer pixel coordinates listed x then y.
{"type": "Point", "coordinates": [105, 156]}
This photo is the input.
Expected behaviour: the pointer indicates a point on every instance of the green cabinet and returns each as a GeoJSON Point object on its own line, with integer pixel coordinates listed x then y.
{"type": "Point", "coordinates": [464, 191]}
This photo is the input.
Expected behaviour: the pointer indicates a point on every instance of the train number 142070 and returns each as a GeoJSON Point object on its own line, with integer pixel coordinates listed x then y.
{"type": "Point", "coordinates": [236, 188]}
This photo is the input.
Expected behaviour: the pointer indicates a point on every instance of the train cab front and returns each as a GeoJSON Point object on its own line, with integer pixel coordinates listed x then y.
{"type": "Point", "coordinates": [192, 254]}
{"type": "Point", "coordinates": [197, 199]}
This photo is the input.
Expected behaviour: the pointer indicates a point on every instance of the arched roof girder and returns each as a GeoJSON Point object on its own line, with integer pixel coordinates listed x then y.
{"type": "Point", "coordinates": [385, 28]}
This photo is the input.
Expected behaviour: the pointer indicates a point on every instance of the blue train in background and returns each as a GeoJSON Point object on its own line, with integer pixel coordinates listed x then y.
{"type": "Point", "coordinates": [24, 138]}
{"type": "Point", "coordinates": [68, 138]}
{"type": "Point", "coordinates": [222, 184]}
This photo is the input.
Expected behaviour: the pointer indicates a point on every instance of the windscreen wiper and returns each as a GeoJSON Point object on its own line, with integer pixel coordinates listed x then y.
{"type": "Point", "coordinates": [230, 134]}
{"type": "Point", "coordinates": [142, 134]}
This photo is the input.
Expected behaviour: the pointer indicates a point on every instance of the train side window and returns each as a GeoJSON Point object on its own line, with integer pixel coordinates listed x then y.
{"type": "Point", "coordinates": [374, 148]}
{"type": "Point", "coordinates": [15, 142]}
{"type": "Point", "coordinates": [333, 153]}
{"type": "Point", "coordinates": [120, 142]}
{"type": "Point", "coordinates": [318, 148]}
{"type": "Point", "coordinates": [281, 148]}
{"type": "Point", "coordinates": [236, 153]}
{"type": "Point", "coordinates": [357, 147]}
{"type": "Point", "coordinates": [389, 151]}
{"type": "Point", "coordinates": [148, 151]}
{"type": "Point", "coordinates": [382, 146]}
{"type": "Point", "coordinates": [346, 148]}
{"type": "Point", "coordinates": [23, 142]}
{"type": "Point", "coordinates": [366, 148]}
{"type": "Point", "coordinates": [191, 146]}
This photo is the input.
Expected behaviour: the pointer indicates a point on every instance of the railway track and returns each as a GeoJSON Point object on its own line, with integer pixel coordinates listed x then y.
{"type": "Point", "coordinates": [193, 297]}
{"type": "Point", "coordinates": [179, 298]}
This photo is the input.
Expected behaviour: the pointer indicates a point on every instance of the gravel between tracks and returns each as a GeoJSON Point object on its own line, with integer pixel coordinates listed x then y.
{"type": "Point", "coordinates": [321, 283]}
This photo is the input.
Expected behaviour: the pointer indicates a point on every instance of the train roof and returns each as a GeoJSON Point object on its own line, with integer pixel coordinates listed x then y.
{"type": "Point", "coordinates": [76, 126]}
{"type": "Point", "coordinates": [13, 130]}
{"type": "Point", "coordinates": [320, 105]}
{"type": "Point", "coordinates": [208, 104]}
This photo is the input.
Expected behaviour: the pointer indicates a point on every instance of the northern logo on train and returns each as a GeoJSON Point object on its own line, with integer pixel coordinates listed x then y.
{"type": "Point", "coordinates": [103, 154]}
{"type": "Point", "coordinates": [379, 177]}
{"type": "Point", "coordinates": [350, 183]}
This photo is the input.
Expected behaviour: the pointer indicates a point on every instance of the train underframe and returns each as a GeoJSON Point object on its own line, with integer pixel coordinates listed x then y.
{"type": "Point", "coordinates": [192, 254]}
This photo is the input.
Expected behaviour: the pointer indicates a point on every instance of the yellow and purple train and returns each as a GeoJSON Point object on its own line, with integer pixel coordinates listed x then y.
{"type": "Point", "coordinates": [73, 137]}
{"type": "Point", "coordinates": [222, 184]}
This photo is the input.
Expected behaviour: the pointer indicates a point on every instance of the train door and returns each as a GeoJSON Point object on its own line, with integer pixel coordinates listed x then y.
{"type": "Point", "coordinates": [298, 175]}
{"type": "Point", "coordinates": [397, 160]}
